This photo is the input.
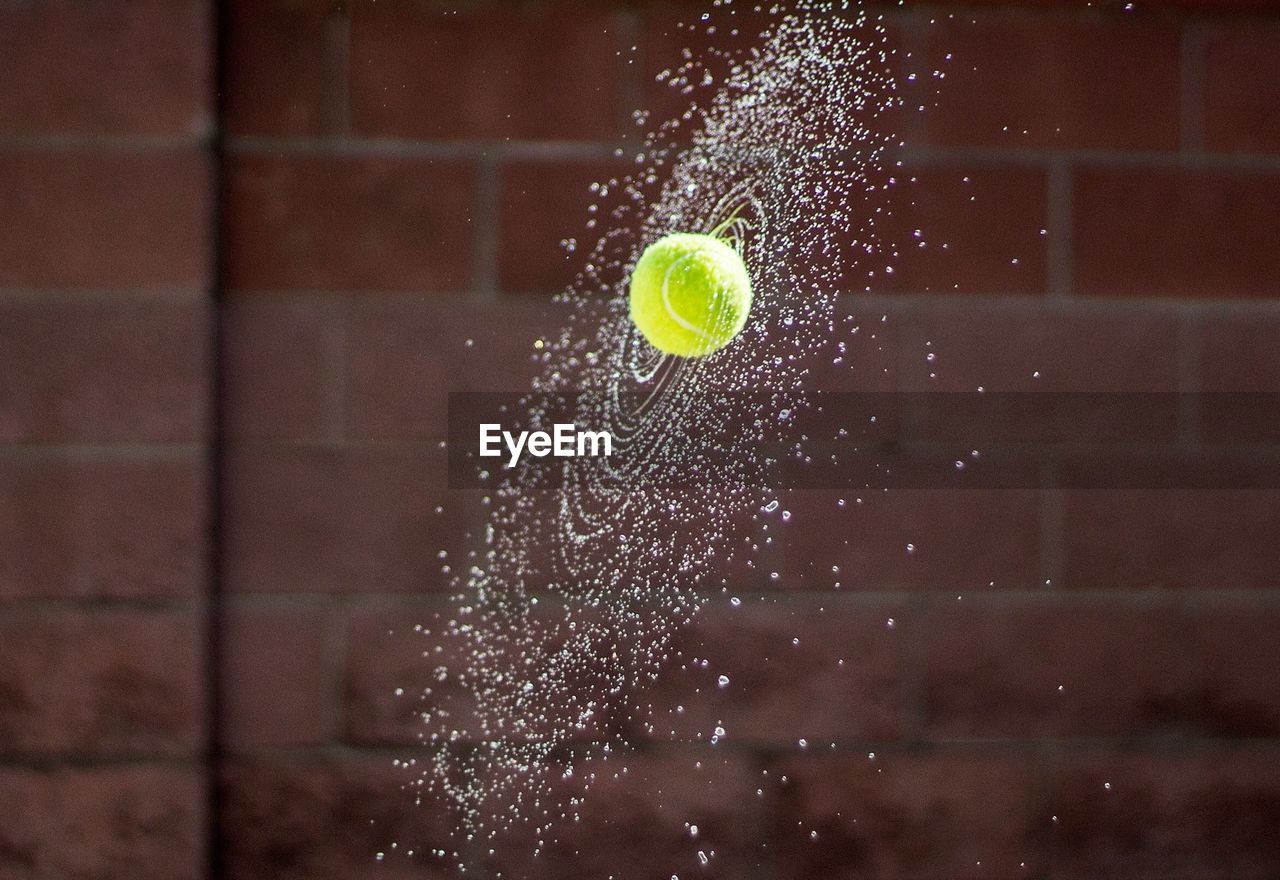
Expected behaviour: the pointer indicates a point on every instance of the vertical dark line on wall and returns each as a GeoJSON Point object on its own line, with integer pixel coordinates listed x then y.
{"type": "Point", "coordinates": [214, 604]}
{"type": "Point", "coordinates": [486, 231]}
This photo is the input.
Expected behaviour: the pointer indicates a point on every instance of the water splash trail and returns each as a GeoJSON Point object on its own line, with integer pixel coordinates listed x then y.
{"type": "Point", "coordinates": [567, 609]}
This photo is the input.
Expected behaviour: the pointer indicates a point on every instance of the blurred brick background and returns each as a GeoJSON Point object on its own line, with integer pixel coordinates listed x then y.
{"type": "Point", "coordinates": [195, 672]}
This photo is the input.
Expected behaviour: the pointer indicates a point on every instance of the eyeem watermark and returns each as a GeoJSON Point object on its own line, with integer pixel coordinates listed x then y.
{"type": "Point", "coordinates": [869, 441]}
{"type": "Point", "coordinates": [564, 441]}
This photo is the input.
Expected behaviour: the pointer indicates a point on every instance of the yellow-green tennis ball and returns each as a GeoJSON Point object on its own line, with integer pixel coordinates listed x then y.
{"type": "Point", "coordinates": [690, 294]}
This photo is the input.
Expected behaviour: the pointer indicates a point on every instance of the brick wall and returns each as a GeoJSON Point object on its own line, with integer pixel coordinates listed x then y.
{"type": "Point", "coordinates": [1074, 685]}
{"type": "Point", "coordinates": [106, 190]}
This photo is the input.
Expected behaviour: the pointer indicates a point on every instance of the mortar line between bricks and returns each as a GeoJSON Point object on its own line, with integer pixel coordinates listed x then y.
{"type": "Point", "coordinates": [1017, 303]}
{"type": "Point", "coordinates": [1087, 12]}
{"type": "Point", "coordinates": [1045, 760]}
{"type": "Point", "coordinates": [335, 368]}
{"type": "Point", "coordinates": [374, 298]}
{"type": "Point", "coordinates": [1189, 333]}
{"type": "Point", "coordinates": [1058, 226]}
{"type": "Point", "coordinates": [631, 76]}
{"type": "Point", "coordinates": [887, 750]}
{"type": "Point", "coordinates": [1219, 449]}
{"type": "Point", "coordinates": [1268, 452]}
{"type": "Point", "coordinates": [996, 156]}
{"type": "Point", "coordinates": [87, 761]}
{"type": "Point", "coordinates": [102, 143]}
{"type": "Point", "coordinates": [920, 601]}
{"type": "Point", "coordinates": [915, 721]}
{"type": "Point", "coordinates": [914, 53]}
{"type": "Point", "coordinates": [1038, 304]}
{"type": "Point", "coordinates": [336, 651]}
{"type": "Point", "coordinates": [904, 601]}
{"type": "Point", "coordinates": [769, 817]}
{"type": "Point", "coordinates": [440, 150]}
{"type": "Point", "coordinates": [338, 65]}
{"type": "Point", "coordinates": [485, 229]}
{"type": "Point", "coordinates": [101, 604]}
{"type": "Point", "coordinates": [772, 750]}
{"type": "Point", "coordinates": [214, 636]}
{"type": "Point", "coordinates": [341, 602]}
{"type": "Point", "coordinates": [150, 296]}
{"type": "Point", "coordinates": [127, 451]}
{"type": "Point", "coordinates": [1052, 528]}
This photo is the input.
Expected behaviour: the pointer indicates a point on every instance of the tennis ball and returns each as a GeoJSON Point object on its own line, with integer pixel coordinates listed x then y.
{"type": "Point", "coordinates": [690, 294]}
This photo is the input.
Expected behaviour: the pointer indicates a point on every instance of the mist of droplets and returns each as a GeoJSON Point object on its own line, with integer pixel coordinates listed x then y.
{"type": "Point", "coordinates": [567, 608]}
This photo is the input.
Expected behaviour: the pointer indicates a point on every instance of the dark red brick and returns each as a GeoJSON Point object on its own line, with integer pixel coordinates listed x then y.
{"type": "Point", "coordinates": [1072, 348]}
{"type": "Point", "coordinates": [915, 816]}
{"type": "Point", "coordinates": [278, 67]}
{"type": "Point", "coordinates": [862, 354]}
{"type": "Point", "coordinates": [807, 672]}
{"type": "Point", "coordinates": [79, 219]}
{"type": "Point", "coordinates": [137, 821]}
{"type": "Point", "coordinates": [1241, 87]}
{"type": "Point", "coordinates": [319, 221]}
{"type": "Point", "coordinates": [318, 819]}
{"type": "Point", "coordinates": [1174, 539]}
{"type": "Point", "coordinates": [1223, 5]}
{"type": "Point", "coordinates": [979, 232]}
{"type": "Point", "coordinates": [277, 676]}
{"type": "Point", "coordinates": [959, 539]}
{"type": "Point", "coordinates": [1238, 354]}
{"type": "Point", "coordinates": [1198, 814]}
{"type": "Point", "coordinates": [131, 68]}
{"type": "Point", "coordinates": [544, 204]}
{"type": "Point", "coordinates": [1053, 670]}
{"type": "Point", "coordinates": [403, 676]}
{"type": "Point", "coordinates": [390, 665]}
{"type": "Point", "coordinates": [638, 818]}
{"type": "Point", "coordinates": [1033, 81]}
{"type": "Point", "coordinates": [497, 73]}
{"type": "Point", "coordinates": [405, 356]}
{"type": "Point", "coordinates": [1175, 233]}
{"type": "Point", "coordinates": [100, 683]}
{"type": "Point", "coordinates": [281, 367]}
{"type": "Point", "coordinates": [103, 370]}
{"type": "Point", "coordinates": [117, 528]}
{"type": "Point", "coordinates": [680, 49]}
{"type": "Point", "coordinates": [1236, 653]}
{"type": "Point", "coordinates": [330, 520]}
{"type": "Point", "coordinates": [690, 51]}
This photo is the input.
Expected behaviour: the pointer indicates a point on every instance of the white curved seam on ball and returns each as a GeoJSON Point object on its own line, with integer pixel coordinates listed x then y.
{"type": "Point", "coordinates": [666, 300]}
